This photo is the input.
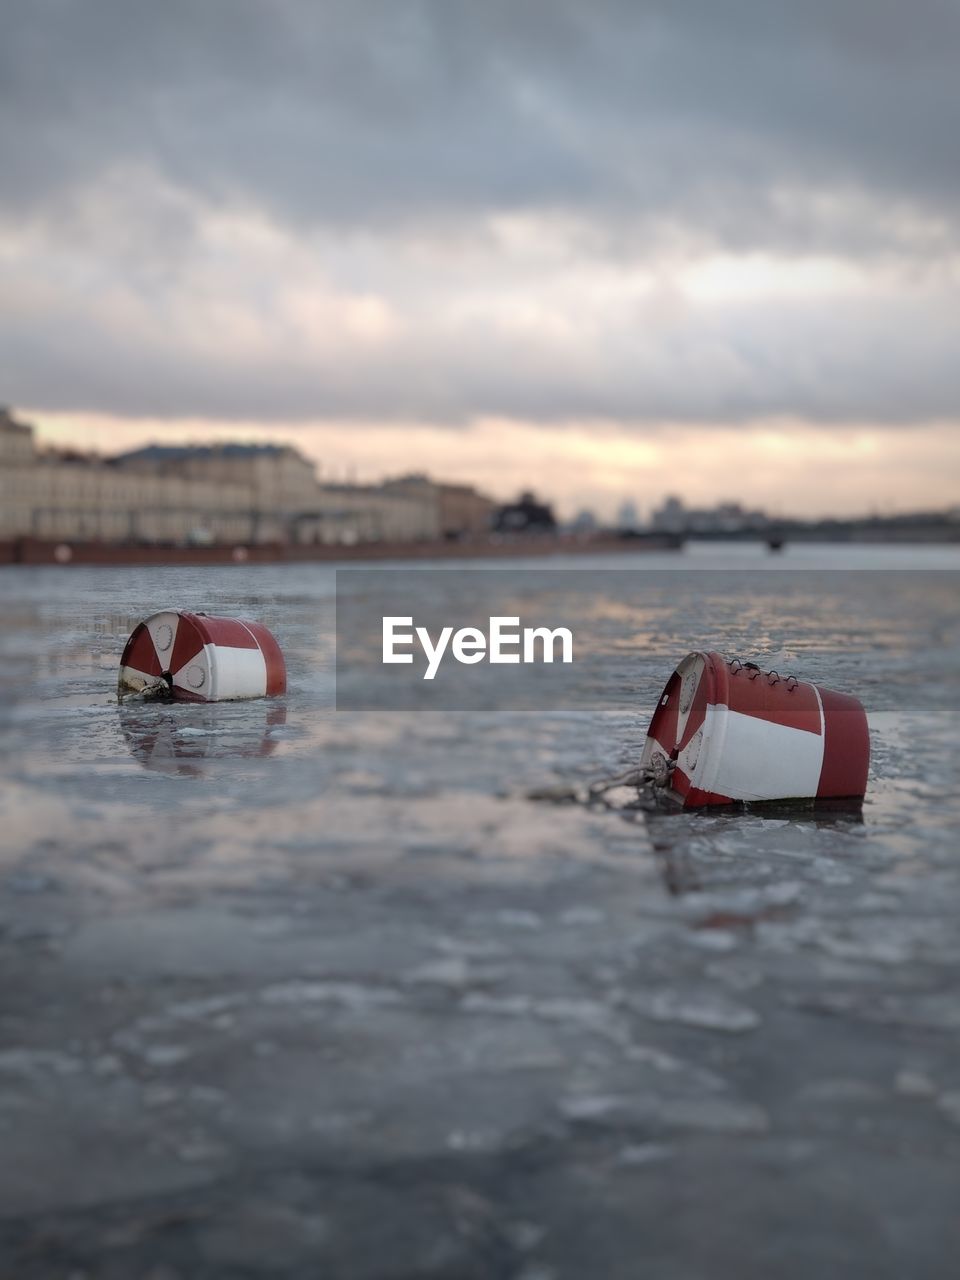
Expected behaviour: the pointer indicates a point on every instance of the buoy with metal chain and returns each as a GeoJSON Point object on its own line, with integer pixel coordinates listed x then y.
{"type": "Point", "coordinates": [193, 657]}
{"type": "Point", "coordinates": [727, 731]}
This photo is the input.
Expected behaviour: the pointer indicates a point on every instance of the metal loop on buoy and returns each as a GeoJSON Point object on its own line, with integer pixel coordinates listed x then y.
{"type": "Point", "coordinates": [659, 770]}
{"type": "Point", "coordinates": [194, 657]}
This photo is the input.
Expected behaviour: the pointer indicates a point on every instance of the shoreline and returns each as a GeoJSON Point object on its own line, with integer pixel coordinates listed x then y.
{"type": "Point", "coordinates": [60, 552]}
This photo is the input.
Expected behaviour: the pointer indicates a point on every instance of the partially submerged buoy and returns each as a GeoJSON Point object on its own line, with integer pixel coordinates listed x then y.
{"type": "Point", "coordinates": [726, 731]}
{"type": "Point", "coordinates": [193, 657]}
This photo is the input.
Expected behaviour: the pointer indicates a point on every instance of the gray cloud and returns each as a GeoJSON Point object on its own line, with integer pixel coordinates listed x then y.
{"type": "Point", "coordinates": [343, 111]}
{"type": "Point", "coordinates": [637, 129]}
{"type": "Point", "coordinates": [855, 362]}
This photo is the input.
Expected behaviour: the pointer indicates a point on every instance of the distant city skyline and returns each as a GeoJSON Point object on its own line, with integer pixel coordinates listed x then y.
{"type": "Point", "coordinates": [806, 472]}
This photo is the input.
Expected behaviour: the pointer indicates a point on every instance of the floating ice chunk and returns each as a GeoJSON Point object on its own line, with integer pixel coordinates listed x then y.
{"type": "Point", "coordinates": [524, 1235]}
{"type": "Point", "coordinates": [697, 1077]}
{"type": "Point", "coordinates": [159, 1095]}
{"type": "Point", "coordinates": [207, 1006]}
{"type": "Point", "coordinates": [592, 1106]}
{"type": "Point", "coordinates": [515, 1006]}
{"type": "Point", "coordinates": [356, 997]}
{"type": "Point", "coordinates": [736, 973]}
{"type": "Point", "coordinates": [914, 1084]}
{"type": "Point", "coordinates": [165, 1055]}
{"type": "Point", "coordinates": [26, 1062]}
{"type": "Point", "coordinates": [478, 948]}
{"type": "Point", "coordinates": [537, 1272]}
{"type": "Point", "coordinates": [744, 903]}
{"type": "Point", "coordinates": [645, 1153]}
{"type": "Point", "coordinates": [474, 1140]}
{"type": "Point", "coordinates": [588, 1015]}
{"type": "Point", "coordinates": [336, 1122]}
{"type": "Point", "coordinates": [453, 972]}
{"type": "Point", "coordinates": [107, 1064]}
{"type": "Point", "coordinates": [712, 939]}
{"type": "Point", "coordinates": [841, 1090]}
{"type": "Point", "coordinates": [28, 882]}
{"type": "Point", "coordinates": [514, 919]}
{"type": "Point", "coordinates": [694, 1009]}
{"type": "Point", "coordinates": [450, 971]}
{"type": "Point", "coordinates": [201, 1150]}
{"type": "Point", "coordinates": [716, 1115]}
{"type": "Point", "coordinates": [576, 916]}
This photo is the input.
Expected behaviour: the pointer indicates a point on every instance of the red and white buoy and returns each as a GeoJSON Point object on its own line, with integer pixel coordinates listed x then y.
{"type": "Point", "coordinates": [725, 731]}
{"type": "Point", "coordinates": [202, 659]}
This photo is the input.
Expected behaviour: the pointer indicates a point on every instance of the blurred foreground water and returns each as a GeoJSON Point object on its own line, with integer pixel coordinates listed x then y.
{"type": "Point", "coordinates": [287, 991]}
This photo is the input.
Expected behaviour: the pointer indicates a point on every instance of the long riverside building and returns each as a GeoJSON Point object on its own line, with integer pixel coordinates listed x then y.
{"type": "Point", "coordinates": [249, 493]}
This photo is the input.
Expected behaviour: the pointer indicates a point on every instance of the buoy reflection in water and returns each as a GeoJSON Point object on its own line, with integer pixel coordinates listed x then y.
{"type": "Point", "coordinates": [188, 738]}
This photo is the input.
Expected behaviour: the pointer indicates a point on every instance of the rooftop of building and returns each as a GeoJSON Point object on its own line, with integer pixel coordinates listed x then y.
{"type": "Point", "coordinates": [9, 423]}
{"type": "Point", "coordinates": [185, 452]}
{"type": "Point", "coordinates": [420, 480]}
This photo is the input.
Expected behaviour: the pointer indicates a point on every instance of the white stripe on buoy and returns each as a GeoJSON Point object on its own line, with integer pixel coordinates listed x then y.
{"type": "Point", "coordinates": [758, 759]}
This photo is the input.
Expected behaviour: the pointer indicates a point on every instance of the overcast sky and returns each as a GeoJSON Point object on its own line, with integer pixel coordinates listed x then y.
{"type": "Point", "coordinates": [536, 240]}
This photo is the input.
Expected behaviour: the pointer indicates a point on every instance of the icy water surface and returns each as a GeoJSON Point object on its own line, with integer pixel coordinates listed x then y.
{"type": "Point", "coordinates": [292, 992]}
